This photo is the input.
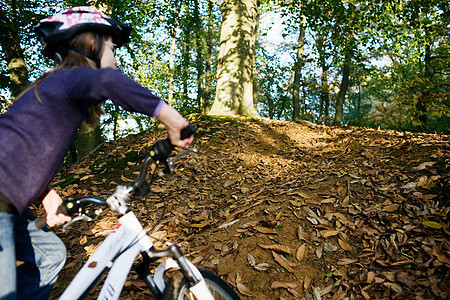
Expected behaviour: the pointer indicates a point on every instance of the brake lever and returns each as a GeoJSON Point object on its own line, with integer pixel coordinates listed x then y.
{"type": "Point", "coordinates": [76, 219]}
{"type": "Point", "coordinates": [170, 162]}
{"type": "Point", "coordinates": [82, 217]}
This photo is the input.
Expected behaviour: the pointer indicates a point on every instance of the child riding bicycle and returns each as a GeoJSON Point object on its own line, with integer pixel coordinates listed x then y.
{"type": "Point", "coordinates": [38, 129]}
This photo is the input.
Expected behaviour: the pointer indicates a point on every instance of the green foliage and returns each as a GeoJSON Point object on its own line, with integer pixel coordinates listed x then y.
{"type": "Point", "coordinates": [409, 90]}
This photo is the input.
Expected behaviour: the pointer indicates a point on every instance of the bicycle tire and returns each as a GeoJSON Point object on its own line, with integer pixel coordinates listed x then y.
{"type": "Point", "coordinates": [178, 289]}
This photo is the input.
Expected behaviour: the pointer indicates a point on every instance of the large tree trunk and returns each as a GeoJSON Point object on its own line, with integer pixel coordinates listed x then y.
{"type": "Point", "coordinates": [255, 69]}
{"type": "Point", "coordinates": [339, 117]}
{"type": "Point", "coordinates": [298, 70]}
{"type": "Point", "coordinates": [234, 95]}
{"type": "Point", "coordinates": [10, 42]}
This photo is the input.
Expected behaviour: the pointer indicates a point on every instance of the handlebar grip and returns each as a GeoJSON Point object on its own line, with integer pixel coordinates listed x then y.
{"type": "Point", "coordinates": [42, 221]}
{"type": "Point", "coordinates": [187, 132]}
{"type": "Point", "coordinates": [161, 149]}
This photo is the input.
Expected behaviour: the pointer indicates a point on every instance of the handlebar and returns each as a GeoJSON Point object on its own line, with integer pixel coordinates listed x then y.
{"type": "Point", "coordinates": [159, 153]}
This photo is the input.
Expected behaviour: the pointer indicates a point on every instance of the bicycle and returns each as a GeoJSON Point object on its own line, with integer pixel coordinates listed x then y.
{"type": "Point", "coordinates": [119, 250]}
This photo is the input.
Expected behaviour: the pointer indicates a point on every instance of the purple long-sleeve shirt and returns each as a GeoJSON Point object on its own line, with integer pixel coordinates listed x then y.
{"type": "Point", "coordinates": [35, 135]}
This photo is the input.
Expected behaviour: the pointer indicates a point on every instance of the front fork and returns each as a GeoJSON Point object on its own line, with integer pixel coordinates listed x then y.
{"type": "Point", "coordinates": [157, 283]}
{"type": "Point", "coordinates": [142, 269]}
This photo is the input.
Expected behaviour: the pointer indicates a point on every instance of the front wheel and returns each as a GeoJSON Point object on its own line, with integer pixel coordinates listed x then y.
{"type": "Point", "coordinates": [178, 288]}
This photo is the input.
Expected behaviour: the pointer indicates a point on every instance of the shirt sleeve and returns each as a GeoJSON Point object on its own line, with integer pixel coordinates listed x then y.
{"type": "Point", "coordinates": [97, 85]}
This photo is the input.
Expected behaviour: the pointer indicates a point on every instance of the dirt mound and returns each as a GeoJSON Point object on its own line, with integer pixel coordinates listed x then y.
{"type": "Point", "coordinates": [285, 210]}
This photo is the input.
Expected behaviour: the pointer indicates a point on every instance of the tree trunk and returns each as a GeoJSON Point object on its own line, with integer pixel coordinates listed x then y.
{"type": "Point", "coordinates": [234, 95]}
{"type": "Point", "coordinates": [198, 49]}
{"type": "Point", "coordinates": [298, 70]}
{"type": "Point", "coordinates": [424, 97]}
{"type": "Point", "coordinates": [255, 69]}
{"type": "Point", "coordinates": [10, 42]}
{"type": "Point", "coordinates": [208, 76]}
{"type": "Point", "coordinates": [339, 117]}
{"type": "Point", "coordinates": [172, 68]}
{"type": "Point", "coordinates": [324, 89]}
{"type": "Point", "coordinates": [88, 138]}
{"type": "Point", "coordinates": [186, 51]}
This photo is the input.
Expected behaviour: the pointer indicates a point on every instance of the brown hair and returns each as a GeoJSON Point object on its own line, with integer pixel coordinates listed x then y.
{"type": "Point", "coordinates": [87, 41]}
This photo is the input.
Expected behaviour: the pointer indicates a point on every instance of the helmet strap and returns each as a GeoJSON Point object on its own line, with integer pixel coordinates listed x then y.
{"type": "Point", "coordinates": [92, 57]}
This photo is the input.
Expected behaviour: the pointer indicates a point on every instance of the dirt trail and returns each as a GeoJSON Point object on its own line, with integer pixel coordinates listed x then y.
{"type": "Point", "coordinates": [285, 210]}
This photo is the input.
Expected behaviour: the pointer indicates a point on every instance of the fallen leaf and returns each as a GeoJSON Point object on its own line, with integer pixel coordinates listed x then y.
{"type": "Point", "coordinates": [200, 225]}
{"type": "Point", "coordinates": [243, 289]}
{"type": "Point", "coordinates": [303, 235]}
{"type": "Point", "coordinates": [346, 201]}
{"type": "Point", "coordinates": [344, 245]}
{"type": "Point", "coordinates": [424, 165]}
{"type": "Point", "coordinates": [346, 261]}
{"type": "Point", "coordinates": [228, 224]}
{"type": "Point", "coordinates": [124, 179]}
{"type": "Point", "coordinates": [441, 257]}
{"type": "Point", "coordinates": [394, 286]}
{"type": "Point", "coordinates": [277, 248]}
{"type": "Point", "coordinates": [283, 261]}
{"type": "Point", "coordinates": [391, 207]}
{"type": "Point", "coordinates": [283, 284]}
{"type": "Point", "coordinates": [432, 224]}
{"type": "Point", "coordinates": [265, 230]}
{"type": "Point", "coordinates": [329, 233]}
{"type": "Point", "coordinates": [301, 252]}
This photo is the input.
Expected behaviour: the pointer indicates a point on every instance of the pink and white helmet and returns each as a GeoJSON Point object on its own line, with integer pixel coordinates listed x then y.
{"type": "Point", "coordinates": [57, 30]}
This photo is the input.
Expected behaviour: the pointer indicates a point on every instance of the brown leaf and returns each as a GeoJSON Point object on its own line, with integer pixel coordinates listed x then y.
{"type": "Point", "coordinates": [283, 284]}
{"type": "Point", "coordinates": [391, 207]}
{"type": "Point", "coordinates": [277, 248]}
{"type": "Point", "coordinates": [319, 251]}
{"type": "Point", "coordinates": [243, 289]}
{"type": "Point", "coordinates": [441, 257]}
{"type": "Point", "coordinates": [346, 201]}
{"type": "Point", "coordinates": [329, 233]}
{"type": "Point", "coordinates": [424, 165]}
{"type": "Point", "coordinates": [265, 230]}
{"type": "Point", "coordinates": [124, 179]}
{"type": "Point", "coordinates": [303, 235]}
{"type": "Point", "coordinates": [200, 225]}
{"type": "Point", "coordinates": [344, 245]}
{"type": "Point", "coordinates": [307, 284]}
{"type": "Point", "coordinates": [301, 252]}
{"type": "Point", "coordinates": [283, 261]}
{"type": "Point", "coordinates": [346, 261]}
{"type": "Point", "coordinates": [394, 286]}
{"type": "Point", "coordinates": [370, 277]}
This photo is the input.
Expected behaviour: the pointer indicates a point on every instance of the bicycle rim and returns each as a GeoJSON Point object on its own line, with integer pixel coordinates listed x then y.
{"type": "Point", "coordinates": [218, 288]}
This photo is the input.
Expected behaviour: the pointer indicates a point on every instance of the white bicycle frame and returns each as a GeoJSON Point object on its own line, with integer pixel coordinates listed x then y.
{"type": "Point", "coordinates": [117, 253]}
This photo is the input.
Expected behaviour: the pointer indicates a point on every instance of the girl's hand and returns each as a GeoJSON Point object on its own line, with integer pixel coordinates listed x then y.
{"type": "Point", "coordinates": [51, 203]}
{"type": "Point", "coordinates": [175, 123]}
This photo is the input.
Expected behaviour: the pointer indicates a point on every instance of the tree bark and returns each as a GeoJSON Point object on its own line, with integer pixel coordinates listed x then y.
{"type": "Point", "coordinates": [324, 89]}
{"type": "Point", "coordinates": [172, 68]}
{"type": "Point", "coordinates": [234, 95]}
{"type": "Point", "coordinates": [10, 42]}
{"type": "Point", "coordinates": [298, 70]}
{"type": "Point", "coordinates": [208, 75]}
{"type": "Point", "coordinates": [199, 62]}
{"type": "Point", "coordinates": [339, 117]}
{"type": "Point", "coordinates": [88, 138]}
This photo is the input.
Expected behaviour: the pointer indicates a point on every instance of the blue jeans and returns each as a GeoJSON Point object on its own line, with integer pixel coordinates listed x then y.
{"type": "Point", "coordinates": [40, 255]}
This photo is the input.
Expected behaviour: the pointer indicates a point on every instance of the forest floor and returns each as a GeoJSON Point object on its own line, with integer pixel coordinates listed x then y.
{"type": "Point", "coordinates": [285, 210]}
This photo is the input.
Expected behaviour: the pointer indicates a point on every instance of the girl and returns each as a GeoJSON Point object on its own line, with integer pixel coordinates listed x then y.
{"type": "Point", "coordinates": [37, 131]}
